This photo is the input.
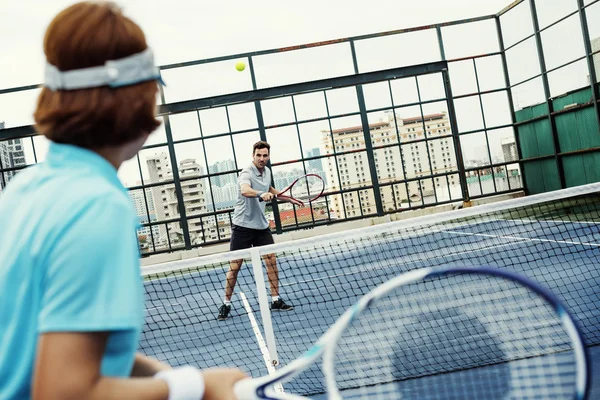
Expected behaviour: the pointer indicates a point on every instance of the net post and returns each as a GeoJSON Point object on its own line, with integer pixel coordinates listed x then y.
{"type": "Point", "coordinates": [263, 302]}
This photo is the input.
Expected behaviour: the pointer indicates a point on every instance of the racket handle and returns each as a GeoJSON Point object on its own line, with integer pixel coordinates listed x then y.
{"type": "Point", "coordinates": [274, 197]}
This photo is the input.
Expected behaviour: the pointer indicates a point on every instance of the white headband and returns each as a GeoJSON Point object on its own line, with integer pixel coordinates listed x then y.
{"type": "Point", "coordinates": [114, 73]}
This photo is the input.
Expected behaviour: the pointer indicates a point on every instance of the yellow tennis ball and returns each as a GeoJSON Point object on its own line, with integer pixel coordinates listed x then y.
{"type": "Point", "coordinates": [240, 66]}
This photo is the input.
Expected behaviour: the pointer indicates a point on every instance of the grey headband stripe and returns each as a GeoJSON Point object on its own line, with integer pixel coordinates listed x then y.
{"type": "Point", "coordinates": [114, 73]}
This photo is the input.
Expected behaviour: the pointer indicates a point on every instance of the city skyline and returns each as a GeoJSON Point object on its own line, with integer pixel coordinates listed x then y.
{"type": "Point", "coordinates": [200, 196]}
{"type": "Point", "coordinates": [295, 123]}
{"type": "Point", "coordinates": [468, 76]}
{"type": "Point", "coordinates": [411, 158]}
{"type": "Point", "coordinates": [414, 147]}
{"type": "Point", "coordinates": [419, 154]}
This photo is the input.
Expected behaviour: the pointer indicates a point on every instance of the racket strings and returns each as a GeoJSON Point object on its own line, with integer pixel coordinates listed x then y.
{"type": "Point", "coordinates": [307, 188]}
{"type": "Point", "coordinates": [464, 327]}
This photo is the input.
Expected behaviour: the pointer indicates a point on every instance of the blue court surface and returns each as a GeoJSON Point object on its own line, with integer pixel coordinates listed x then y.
{"type": "Point", "coordinates": [181, 311]}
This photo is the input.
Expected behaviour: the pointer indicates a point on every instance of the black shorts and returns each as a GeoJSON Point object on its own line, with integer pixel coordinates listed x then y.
{"type": "Point", "coordinates": [244, 238]}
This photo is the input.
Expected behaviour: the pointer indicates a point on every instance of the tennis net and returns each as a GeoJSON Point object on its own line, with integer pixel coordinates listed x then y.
{"type": "Point", "coordinates": [553, 238]}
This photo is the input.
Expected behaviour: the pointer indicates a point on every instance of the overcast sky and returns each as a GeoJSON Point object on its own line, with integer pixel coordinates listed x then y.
{"type": "Point", "coordinates": [183, 30]}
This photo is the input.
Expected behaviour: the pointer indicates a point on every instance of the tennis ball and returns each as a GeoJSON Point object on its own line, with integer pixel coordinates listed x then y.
{"type": "Point", "coordinates": [240, 66]}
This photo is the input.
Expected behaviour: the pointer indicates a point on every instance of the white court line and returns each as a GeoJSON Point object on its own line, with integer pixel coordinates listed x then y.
{"type": "Point", "coordinates": [261, 341]}
{"type": "Point", "coordinates": [525, 238]}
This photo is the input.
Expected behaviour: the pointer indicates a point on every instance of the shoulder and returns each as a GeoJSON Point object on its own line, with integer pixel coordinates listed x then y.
{"type": "Point", "coordinates": [246, 173]}
{"type": "Point", "coordinates": [245, 170]}
{"type": "Point", "coordinates": [90, 198]}
{"type": "Point", "coordinates": [98, 191]}
{"type": "Point", "coordinates": [65, 191]}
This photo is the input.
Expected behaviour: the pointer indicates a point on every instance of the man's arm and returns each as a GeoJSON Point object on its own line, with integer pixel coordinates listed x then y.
{"type": "Point", "coordinates": [275, 192]}
{"type": "Point", "coordinates": [247, 191]}
{"type": "Point", "coordinates": [68, 367]}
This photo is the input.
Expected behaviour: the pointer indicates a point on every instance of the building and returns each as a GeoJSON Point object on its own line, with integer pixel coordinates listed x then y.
{"type": "Point", "coordinates": [224, 196]}
{"type": "Point", "coordinates": [224, 230]}
{"type": "Point", "coordinates": [299, 216]}
{"type": "Point", "coordinates": [194, 199]}
{"type": "Point", "coordinates": [315, 166]}
{"type": "Point", "coordinates": [415, 157]}
{"type": "Point", "coordinates": [510, 153]}
{"type": "Point", "coordinates": [159, 170]}
{"type": "Point", "coordinates": [145, 214]}
{"type": "Point", "coordinates": [12, 155]}
{"type": "Point", "coordinates": [223, 166]}
{"type": "Point", "coordinates": [282, 179]}
{"type": "Point", "coordinates": [165, 197]}
{"type": "Point", "coordinates": [509, 149]}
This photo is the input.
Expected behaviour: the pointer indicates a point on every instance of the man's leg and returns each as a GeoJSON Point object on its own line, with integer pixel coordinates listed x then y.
{"type": "Point", "coordinates": [240, 239]}
{"type": "Point", "coordinates": [234, 268]}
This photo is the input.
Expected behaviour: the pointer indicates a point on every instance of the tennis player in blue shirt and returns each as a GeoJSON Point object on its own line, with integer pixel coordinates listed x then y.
{"type": "Point", "coordinates": [72, 296]}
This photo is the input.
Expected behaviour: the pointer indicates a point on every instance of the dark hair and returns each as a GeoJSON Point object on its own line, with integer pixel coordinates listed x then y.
{"type": "Point", "coordinates": [84, 35]}
{"type": "Point", "coordinates": [261, 145]}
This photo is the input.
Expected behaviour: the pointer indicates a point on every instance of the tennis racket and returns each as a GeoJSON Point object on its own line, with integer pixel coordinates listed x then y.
{"type": "Point", "coordinates": [468, 333]}
{"type": "Point", "coordinates": [305, 189]}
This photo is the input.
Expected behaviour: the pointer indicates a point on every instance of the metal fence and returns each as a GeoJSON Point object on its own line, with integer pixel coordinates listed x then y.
{"type": "Point", "coordinates": [392, 121]}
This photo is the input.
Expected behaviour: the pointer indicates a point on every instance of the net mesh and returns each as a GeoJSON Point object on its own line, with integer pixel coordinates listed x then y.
{"type": "Point", "coordinates": [551, 238]}
{"type": "Point", "coordinates": [501, 339]}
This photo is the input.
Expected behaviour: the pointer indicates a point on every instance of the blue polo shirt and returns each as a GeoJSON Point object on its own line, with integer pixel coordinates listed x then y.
{"type": "Point", "coordinates": [69, 262]}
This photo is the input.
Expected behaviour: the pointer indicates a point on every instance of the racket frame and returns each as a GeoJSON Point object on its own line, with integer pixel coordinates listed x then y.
{"type": "Point", "coordinates": [289, 189]}
{"type": "Point", "coordinates": [258, 388]}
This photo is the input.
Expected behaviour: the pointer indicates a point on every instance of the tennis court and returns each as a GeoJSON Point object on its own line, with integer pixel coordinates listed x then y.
{"type": "Point", "coordinates": [556, 243]}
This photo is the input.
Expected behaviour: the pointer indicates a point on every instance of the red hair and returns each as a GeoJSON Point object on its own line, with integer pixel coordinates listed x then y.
{"type": "Point", "coordinates": [84, 35]}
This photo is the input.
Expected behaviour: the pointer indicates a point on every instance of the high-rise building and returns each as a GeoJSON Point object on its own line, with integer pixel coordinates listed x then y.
{"type": "Point", "coordinates": [12, 155]}
{"type": "Point", "coordinates": [165, 197]}
{"type": "Point", "coordinates": [283, 179]}
{"type": "Point", "coordinates": [159, 170]}
{"type": "Point", "coordinates": [223, 166]}
{"type": "Point", "coordinates": [414, 158]}
{"type": "Point", "coordinates": [221, 186]}
{"type": "Point", "coordinates": [194, 197]}
{"type": "Point", "coordinates": [225, 196]}
{"type": "Point", "coordinates": [315, 166]}
{"type": "Point", "coordinates": [145, 215]}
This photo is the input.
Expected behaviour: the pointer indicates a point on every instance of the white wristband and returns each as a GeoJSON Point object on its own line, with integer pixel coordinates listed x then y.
{"type": "Point", "coordinates": [185, 383]}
